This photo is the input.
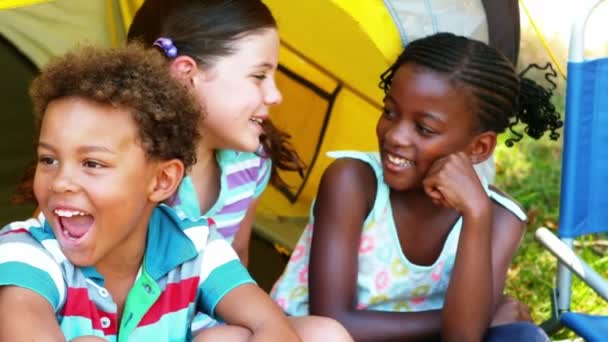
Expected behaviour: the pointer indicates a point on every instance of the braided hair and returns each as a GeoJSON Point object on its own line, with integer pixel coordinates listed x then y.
{"type": "Point", "coordinates": [502, 98]}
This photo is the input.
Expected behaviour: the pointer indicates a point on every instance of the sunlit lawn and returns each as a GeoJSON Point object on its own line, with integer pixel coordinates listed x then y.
{"type": "Point", "coordinates": [530, 172]}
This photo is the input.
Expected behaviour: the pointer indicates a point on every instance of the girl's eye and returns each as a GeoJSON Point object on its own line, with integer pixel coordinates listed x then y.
{"type": "Point", "coordinates": [425, 130]}
{"type": "Point", "coordinates": [46, 160]}
{"type": "Point", "coordinates": [93, 164]}
{"type": "Point", "coordinates": [260, 77]}
{"type": "Point", "coordinates": [387, 113]}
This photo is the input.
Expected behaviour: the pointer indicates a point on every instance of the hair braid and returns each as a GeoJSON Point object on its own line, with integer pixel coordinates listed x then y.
{"type": "Point", "coordinates": [535, 108]}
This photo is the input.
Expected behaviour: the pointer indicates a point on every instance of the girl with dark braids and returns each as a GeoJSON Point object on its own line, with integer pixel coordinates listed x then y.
{"type": "Point", "coordinates": [408, 243]}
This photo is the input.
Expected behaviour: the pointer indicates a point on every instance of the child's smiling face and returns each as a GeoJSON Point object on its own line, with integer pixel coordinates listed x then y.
{"type": "Point", "coordinates": [93, 180]}
{"type": "Point", "coordinates": [425, 118]}
{"type": "Point", "coordinates": [238, 90]}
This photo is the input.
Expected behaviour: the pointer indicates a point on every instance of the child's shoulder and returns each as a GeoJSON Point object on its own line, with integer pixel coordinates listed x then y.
{"type": "Point", "coordinates": [30, 230]}
{"type": "Point", "coordinates": [506, 204]}
{"type": "Point", "coordinates": [372, 159]}
{"type": "Point", "coordinates": [508, 213]}
{"type": "Point", "coordinates": [172, 227]}
{"type": "Point", "coordinates": [33, 235]}
{"type": "Point", "coordinates": [351, 177]}
{"type": "Point", "coordinates": [30, 257]}
{"type": "Point", "coordinates": [352, 169]}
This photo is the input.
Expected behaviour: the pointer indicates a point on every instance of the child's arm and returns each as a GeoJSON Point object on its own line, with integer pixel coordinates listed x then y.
{"type": "Point", "coordinates": [227, 290]}
{"type": "Point", "coordinates": [488, 240]}
{"type": "Point", "coordinates": [243, 235]}
{"type": "Point", "coordinates": [32, 288]}
{"type": "Point", "coordinates": [26, 315]}
{"type": "Point", "coordinates": [250, 307]}
{"type": "Point", "coordinates": [345, 197]}
{"type": "Point", "coordinates": [507, 234]}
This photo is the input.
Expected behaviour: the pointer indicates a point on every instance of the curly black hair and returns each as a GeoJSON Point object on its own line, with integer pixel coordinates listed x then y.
{"type": "Point", "coordinates": [166, 114]}
{"type": "Point", "coordinates": [502, 98]}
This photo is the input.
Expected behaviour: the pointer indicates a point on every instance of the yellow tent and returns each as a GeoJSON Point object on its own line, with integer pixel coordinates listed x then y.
{"type": "Point", "coordinates": [332, 53]}
{"type": "Point", "coordinates": [329, 73]}
{"type": "Point", "coordinates": [331, 56]}
{"type": "Point", "coordinates": [30, 33]}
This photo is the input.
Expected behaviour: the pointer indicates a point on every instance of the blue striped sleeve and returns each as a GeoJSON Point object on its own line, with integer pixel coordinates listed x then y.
{"type": "Point", "coordinates": [28, 266]}
{"type": "Point", "coordinates": [221, 272]}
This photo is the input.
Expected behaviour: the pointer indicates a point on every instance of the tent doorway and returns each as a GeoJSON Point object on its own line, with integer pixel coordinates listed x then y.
{"type": "Point", "coordinates": [16, 127]}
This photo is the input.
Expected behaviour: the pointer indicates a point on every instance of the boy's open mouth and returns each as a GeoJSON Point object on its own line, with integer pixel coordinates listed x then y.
{"type": "Point", "coordinates": [73, 224]}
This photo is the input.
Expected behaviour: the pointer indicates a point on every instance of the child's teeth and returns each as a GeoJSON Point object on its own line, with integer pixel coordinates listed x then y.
{"type": "Point", "coordinates": [399, 161]}
{"type": "Point", "coordinates": [68, 213]}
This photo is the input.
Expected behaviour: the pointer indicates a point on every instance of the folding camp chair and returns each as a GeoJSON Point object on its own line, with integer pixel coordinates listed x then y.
{"type": "Point", "coordinates": [584, 185]}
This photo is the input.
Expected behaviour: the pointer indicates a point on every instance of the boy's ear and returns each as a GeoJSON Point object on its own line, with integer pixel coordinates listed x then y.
{"type": "Point", "coordinates": [169, 175]}
{"type": "Point", "coordinates": [481, 147]}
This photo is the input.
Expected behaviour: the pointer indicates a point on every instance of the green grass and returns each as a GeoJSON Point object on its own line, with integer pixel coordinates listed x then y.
{"type": "Point", "coordinates": [530, 172]}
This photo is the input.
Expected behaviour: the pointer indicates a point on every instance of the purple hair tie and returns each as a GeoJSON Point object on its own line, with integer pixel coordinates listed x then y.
{"type": "Point", "coordinates": [167, 46]}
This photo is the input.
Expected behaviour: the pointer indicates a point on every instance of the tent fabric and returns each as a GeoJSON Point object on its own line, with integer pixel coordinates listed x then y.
{"type": "Point", "coordinates": [127, 10]}
{"type": "Point", "coordinates": [10, 4]}
{"type": "Point", "coordinates": [332, 53]}
{"type": "Point", "coordinates": [417, 19]}
{"type": "Point", "coordinates": [329, 79]}
{"type": "Point", "coordinates": [16, 128]}
{"type": "Point", "coordinates": [43, 30]}
{"type": "Point", "coordinates": [29, 37]}
{"type": "Point", "coordinates": [366, 37]}
{"type": "Point", "coordinates": [503, 26]}
{"type": "Point", "coordinates": [343, 61]}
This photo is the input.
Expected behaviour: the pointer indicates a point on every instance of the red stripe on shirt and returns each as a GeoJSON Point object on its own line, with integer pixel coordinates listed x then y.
{"type": "Point", "coordinates": [177, 296]}
{"type": "Point", "coordinates": [18, 230]}
{"type": "Point", "coordinates": [79, 304]}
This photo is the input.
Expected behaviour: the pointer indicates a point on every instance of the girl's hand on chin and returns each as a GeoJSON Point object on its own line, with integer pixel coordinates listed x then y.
{"type": "Point", "coordinates": [452, 182]}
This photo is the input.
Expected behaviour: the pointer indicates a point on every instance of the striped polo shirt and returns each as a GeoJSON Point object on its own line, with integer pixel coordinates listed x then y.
{"type": "Point", "coordinates": [186, 269]}
{"type": "Point", "coordinates": [244, 176]}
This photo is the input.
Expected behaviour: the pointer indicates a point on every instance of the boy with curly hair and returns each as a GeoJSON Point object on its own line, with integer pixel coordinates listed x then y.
{"type": "Point", "coordinates": [116, 134]}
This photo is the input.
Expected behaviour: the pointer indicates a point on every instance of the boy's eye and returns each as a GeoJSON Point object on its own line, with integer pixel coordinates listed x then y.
{"type": "Point", "coordinates": [93, 164]}
{"type": "Point", "coordinates": [46, 160]}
